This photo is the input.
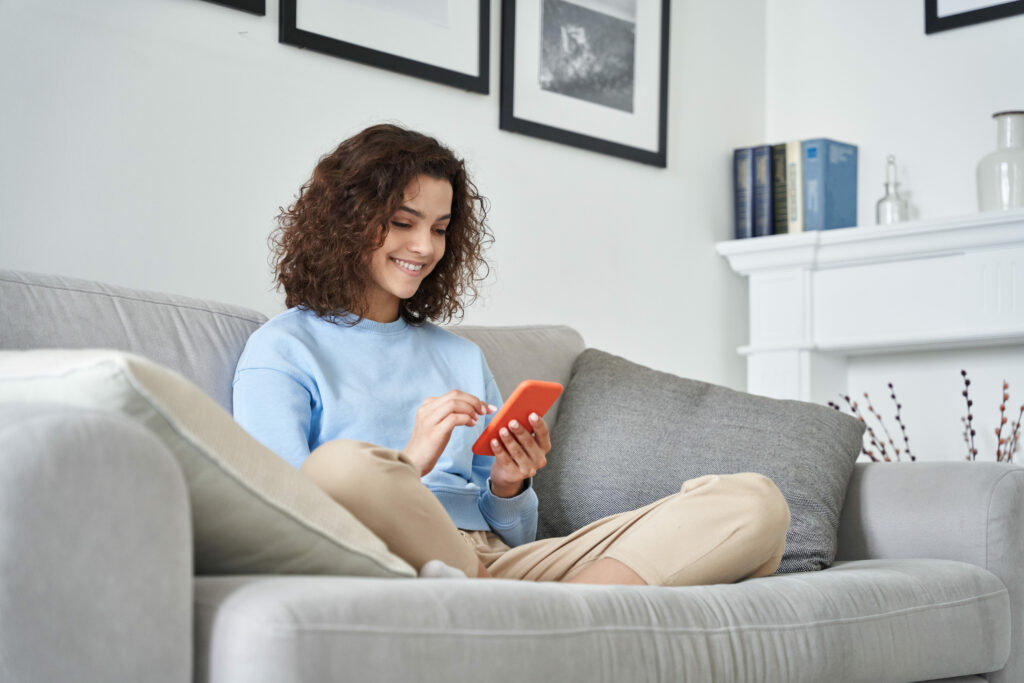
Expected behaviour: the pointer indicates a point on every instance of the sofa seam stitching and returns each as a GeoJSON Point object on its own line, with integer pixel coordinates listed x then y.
{"type": "Point", "coordinates": [725, 630]}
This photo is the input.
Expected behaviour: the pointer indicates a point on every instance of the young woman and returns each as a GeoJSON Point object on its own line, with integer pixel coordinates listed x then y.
{"type": "Point", "coordinates": [379, 407]}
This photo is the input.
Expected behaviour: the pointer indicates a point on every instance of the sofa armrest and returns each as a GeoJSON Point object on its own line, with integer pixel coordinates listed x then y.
{"type": "Point", "coordinates": [95, 549]}
{"type": "Point", "coordinates": [967, 511]}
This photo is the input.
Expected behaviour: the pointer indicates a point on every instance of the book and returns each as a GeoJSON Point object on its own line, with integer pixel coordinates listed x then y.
{"type": "Point", "coordinates": [794, 187]}
{"type": "Point", "coordinates": [743, 191]}
{"type": "Point", "coordinates": [763, 215]}
{"type": "Point", "coordinates": [780, 213]}
{"type": "Point", "coordinates": [830, 184]}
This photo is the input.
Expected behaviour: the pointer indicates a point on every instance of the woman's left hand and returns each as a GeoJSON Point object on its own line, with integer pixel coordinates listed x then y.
{"type": "Point", "coordinates": [520, 450]}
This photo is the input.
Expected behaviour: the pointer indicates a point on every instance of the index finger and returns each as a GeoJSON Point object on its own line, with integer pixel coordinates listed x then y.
{"type": "Point", "coordinates": [482, 407]}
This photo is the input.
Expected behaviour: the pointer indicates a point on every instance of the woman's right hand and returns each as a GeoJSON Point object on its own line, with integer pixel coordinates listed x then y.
{"type": "Point", "coordinates": [435, 420]}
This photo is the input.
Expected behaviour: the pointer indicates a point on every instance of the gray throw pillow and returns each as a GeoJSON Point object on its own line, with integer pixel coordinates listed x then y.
{"type": "Point", "coordinates": [628, 435]}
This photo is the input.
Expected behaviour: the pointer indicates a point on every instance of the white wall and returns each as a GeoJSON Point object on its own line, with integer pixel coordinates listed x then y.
{"type": "Point", "coordinates": [865, 72]}
{"type": "Point", "coordinates": [150, 144]}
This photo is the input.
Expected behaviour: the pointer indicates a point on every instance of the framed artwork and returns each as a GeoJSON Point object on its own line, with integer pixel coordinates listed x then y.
{"type": "Point", "coordinates": [942, 15]}
{"type": "Point", "coordinates": [252, 6]}
{"type": "Point", "coordinates": [446, 41]}
{"type": "Point", "coordinates": [588, 73]}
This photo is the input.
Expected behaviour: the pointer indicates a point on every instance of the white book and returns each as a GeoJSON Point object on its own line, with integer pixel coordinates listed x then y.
{"type": "Point", "coordinates": [794, 187]}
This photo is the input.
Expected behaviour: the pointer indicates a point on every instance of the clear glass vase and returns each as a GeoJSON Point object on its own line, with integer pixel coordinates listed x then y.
{"type": "Point", "coordinates": [1001, 173]}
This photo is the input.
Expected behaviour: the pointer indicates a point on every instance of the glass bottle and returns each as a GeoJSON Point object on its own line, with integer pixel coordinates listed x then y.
{"type": "Point", "coordinates": [892, 208]}
{"type": "Point", "coordinates": [1001, 173]}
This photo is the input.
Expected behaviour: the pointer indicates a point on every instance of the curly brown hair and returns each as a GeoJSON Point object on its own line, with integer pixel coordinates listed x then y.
{"type": "Point", "coordinates": [322, 246]}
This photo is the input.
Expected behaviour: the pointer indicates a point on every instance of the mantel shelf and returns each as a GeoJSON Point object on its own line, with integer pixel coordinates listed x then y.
{"type": "Point", "coordinates": [824, 302]}
{"type": "Point", "coordinates": [874, 244]}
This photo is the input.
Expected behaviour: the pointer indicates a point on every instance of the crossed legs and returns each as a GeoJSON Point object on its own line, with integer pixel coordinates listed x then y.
{"type": "Point", "coordinates": [716, 529]}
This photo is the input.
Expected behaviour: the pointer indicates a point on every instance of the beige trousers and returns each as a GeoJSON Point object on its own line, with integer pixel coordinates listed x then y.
{"type": "Point", "coordinates": [716, 529]}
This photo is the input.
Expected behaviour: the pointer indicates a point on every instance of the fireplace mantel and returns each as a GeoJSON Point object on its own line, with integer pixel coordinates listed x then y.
{"type": "Point", "coordinates": [820, 299]}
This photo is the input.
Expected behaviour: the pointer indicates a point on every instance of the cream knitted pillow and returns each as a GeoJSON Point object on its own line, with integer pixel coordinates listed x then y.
{"type": "Point", "coordinates": [251, 511]}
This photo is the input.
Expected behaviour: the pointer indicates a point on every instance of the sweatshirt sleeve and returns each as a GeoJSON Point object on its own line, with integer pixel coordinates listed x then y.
{"type": "Point", "coordinates": [275, 408]}
{"type": "Point", "coordinates": [513, 519]}
{"type": "Point", "coordinates": [275, 397]}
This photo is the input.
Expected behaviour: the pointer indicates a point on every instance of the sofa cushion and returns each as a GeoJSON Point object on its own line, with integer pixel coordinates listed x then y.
{"type": "Point", "coordinates": [251, 511]}
{"type": "Point", "coordinates": [875, 620]}
{"type": "Point", "coordinates": [200, 339]}
{"type": "Point", "coordinates": [628, 435]}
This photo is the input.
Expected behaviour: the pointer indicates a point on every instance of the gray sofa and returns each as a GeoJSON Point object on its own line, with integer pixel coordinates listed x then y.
{"type": "Point", "coordinates": [96, 579]}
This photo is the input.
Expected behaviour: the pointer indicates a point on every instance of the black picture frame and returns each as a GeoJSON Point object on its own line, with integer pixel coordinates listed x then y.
{"type": "Point", "coordinates": [653, 154]}
{"type": "Point", "coordinates": [933, 23]}
{"type": "Point", "coordinates": [291, 34]}
{"type": "Point", "coordinates": [257, 7]}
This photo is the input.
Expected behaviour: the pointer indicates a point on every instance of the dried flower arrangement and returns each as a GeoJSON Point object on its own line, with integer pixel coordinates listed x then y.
{"type": "Point", "coordinates": [879, 444]}
{"type": "Point", "coordinates": [1006, 445]}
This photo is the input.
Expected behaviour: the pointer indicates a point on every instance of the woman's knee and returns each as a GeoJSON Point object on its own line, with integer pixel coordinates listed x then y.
{"type": "Point", "coordinates": [348, 469]}
{"type": "Point", "coordinates": [752, 501]}
{"type": "Point", "coordinates": [765, 508]}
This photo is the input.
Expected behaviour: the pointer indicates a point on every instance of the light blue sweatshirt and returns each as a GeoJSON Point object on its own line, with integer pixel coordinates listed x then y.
{"type": "Point", "coordinates": [303, 380]}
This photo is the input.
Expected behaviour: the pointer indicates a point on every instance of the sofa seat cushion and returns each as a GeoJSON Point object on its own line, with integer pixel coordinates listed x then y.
{"type": "Point", "coordinates": [252, 512]}
{"type": "Point", "coordinates": [869, 620]}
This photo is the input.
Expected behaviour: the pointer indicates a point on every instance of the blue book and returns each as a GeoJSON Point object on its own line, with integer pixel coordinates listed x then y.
{"type": "Point", "coordinates": [763, 216]}
{"type": "Point", "coordinates": [830, 184]}
{"type": "Point", "coordinates": [743, 191]}
{"type": "Point", "coordinates": [780, 188]}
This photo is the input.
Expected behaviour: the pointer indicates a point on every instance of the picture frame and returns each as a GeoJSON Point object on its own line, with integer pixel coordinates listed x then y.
{"type": "Point", "coordinates": [258, 7]}
{"type": "Point", "coordinates": [445, 41]}
{"type": "Point", "coordinates": [943, 15]}
{"type": "Point", "coordinates": [591, 74]}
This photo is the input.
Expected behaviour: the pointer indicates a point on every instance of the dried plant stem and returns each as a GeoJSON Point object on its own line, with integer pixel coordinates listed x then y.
{"type": "Point", "coordinates": [972, 452]}
{"type": "Point", "coordinates": [1000, 441]}
{"type": "Point", "coordinates": [967, 438]}
{"type": "Point", "coordinates": [881, 422]}
{"type": "Point", "coordinates": [871, 432]}
{"type": "Point", "coordinates": [1015, 435]}
{"type": "Point", "coordinates": [899, 421]}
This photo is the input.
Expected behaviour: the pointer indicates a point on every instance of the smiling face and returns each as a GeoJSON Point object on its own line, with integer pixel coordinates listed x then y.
{"type": "Point", "coordinates": [412, 248]}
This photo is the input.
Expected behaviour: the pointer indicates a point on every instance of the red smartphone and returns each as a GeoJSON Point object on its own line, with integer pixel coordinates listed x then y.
{"type": "Point", "coordinates": [532, 396]}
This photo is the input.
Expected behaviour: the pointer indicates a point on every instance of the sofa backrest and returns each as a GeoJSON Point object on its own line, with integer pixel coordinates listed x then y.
{"type": "Point", "coordinates": [202, 340]}
{"type": "Point", "coordinates": [513, 354]}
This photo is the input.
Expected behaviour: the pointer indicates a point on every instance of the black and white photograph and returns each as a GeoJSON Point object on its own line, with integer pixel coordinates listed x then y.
{"type": "Point", "coordinates": [588, 73]}
{"type": "Point", "coordinates": [445, 41]}
{"type": "Point", "coordinates": [589, 54]}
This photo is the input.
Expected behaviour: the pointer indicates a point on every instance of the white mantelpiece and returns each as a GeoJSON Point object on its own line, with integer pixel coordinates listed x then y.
{"type": "Point", "coordinates": [825, 307]}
